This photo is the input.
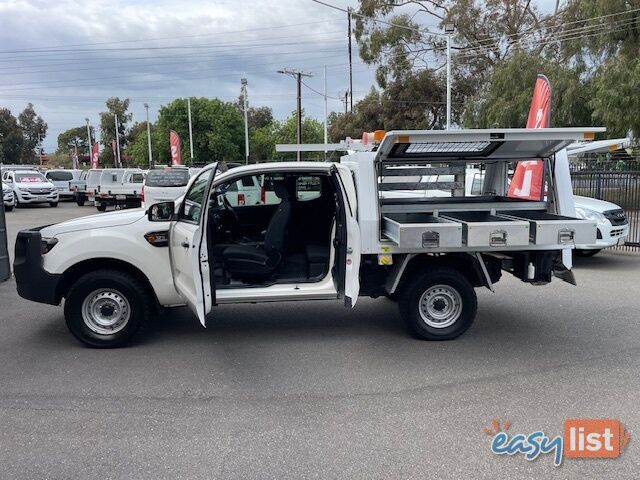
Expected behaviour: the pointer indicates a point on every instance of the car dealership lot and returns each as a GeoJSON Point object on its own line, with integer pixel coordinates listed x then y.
{"type": "Point", "coordinates": [309, 390]}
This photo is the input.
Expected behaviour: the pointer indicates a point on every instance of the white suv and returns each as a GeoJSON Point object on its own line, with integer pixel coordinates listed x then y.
{"type": "Point", "coordinates": [30, 186]}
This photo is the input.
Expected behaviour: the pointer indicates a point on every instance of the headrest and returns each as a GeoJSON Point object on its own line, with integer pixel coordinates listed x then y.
{"type": "Point", "coordinates": [280, 189]}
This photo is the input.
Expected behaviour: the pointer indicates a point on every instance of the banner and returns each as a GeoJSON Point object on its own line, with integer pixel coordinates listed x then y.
{"type": "Point", "coordinates": [528, 178]}
{"type": "Point", "coordinates": [174, 142]}
{"type": "Point", "coordinates": [95, 152]}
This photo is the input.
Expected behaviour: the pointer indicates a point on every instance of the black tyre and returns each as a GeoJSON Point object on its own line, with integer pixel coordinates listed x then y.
{"type": "Point", "coordinates": [107, 308]}
{"type": "Point", "coordinates": [8, 208]}
{"type": "Point", "coordinates": [80, 200]}
{"type": "Point", "coordinates": [101, 207]}
{"type": "Point", "coordinates": [438, 305]}
{"type": "Point", "coordinates": [587, 253]}
{"type": "Point", "coordinates": [53, 204]}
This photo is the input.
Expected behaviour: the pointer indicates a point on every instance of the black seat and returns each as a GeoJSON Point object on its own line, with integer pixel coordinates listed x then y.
{"type": "Point", "coordinates": [253, 262]}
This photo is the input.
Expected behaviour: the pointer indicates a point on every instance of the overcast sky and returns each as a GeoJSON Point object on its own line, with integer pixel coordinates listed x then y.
{"type": "Point", "coordinates": [68, 56]}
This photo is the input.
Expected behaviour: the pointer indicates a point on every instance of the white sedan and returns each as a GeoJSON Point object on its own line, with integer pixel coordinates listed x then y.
{"type": "Point", "coordinates": [613, 227]}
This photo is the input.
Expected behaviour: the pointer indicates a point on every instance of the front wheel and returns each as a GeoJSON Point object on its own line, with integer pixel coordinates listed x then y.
{"type": "Point", "coordinates": [8, 208]}
{"type": "Point", "coordinates": [53, 204]}
{"type": "Point", "coordinates": [438, 305]}
{"type": "Point", "coordinates": [587, 253]}
{"type": "Point", "coordinates": [107, 308]}
{"type": "Point", "coordinates": [80, 200]}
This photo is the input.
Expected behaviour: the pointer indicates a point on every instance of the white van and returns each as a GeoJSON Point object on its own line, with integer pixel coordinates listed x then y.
{"type": "Point", "coordinates": [61, 178]}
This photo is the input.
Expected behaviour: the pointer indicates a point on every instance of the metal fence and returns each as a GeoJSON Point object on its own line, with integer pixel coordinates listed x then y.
{"type": "Point", "coordinates": [616, 180]}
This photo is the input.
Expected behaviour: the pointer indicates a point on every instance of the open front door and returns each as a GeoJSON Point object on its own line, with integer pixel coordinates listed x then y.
{"type": "Point", "coordinates": [188, 246]}
{"type": "Point", "coordinates": [346, 268]}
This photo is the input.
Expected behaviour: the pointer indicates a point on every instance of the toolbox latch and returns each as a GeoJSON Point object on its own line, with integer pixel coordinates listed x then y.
{"type": "Point", "coordinates": [430, 239]}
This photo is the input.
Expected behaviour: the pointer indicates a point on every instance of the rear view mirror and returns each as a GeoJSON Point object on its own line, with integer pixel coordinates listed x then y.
{"type": "Point", "coordinates": [161, 212]}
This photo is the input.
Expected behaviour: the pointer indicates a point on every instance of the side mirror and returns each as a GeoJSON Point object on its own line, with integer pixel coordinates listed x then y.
{"type": "Point", "coordinates": [161, 212]}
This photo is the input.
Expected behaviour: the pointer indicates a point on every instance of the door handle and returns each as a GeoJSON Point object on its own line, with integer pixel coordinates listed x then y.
{"type": "Point", "coordinates": [185, 244]}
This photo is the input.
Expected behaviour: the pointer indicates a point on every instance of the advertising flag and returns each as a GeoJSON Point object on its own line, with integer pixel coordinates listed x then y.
{"type": "Point", "coordinates": [174, 142]}
{"type": "Point", "coordinates": [528, 178]}
{"type": "Point", "coordinates": [95, 152]}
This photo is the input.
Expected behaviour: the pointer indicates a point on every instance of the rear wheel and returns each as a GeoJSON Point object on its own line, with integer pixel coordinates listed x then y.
{"type": "Point", "coordinates": [101, 207]}
{"type": "Point", "coordinates": [107, 308]}
{"type": "Point", "coordinates": [80, 200]}
{"type": "Point", "coordinates": [438, 305]}
{"type": "Point", "coordinates": [587, 253]}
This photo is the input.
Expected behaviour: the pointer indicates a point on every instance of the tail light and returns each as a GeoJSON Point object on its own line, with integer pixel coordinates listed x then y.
{"type": "Point", "coordinates": [241, 199]}
{"type": "Point", "coordinates": [263, 196]}
{"type": "Point", "coordinates": [142, 194]}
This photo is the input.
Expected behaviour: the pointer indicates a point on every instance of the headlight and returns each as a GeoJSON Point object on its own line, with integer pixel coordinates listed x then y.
{"type": "Point", "coordinates": [23, 189]}
{"type": "Point", "coordinates": [592, 215]}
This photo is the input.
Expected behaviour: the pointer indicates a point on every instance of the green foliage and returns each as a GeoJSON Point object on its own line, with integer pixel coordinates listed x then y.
{"type": "Point", "coordinates": [11, 140]}
{"type": "Point", "coordinates": [74, 137]}
{"type": "Point", "coordinates": [34, 129]}
{"type": "Point", "coordinates": [115, 106]}
{"type": "Point", "coordinates": [615, 99]}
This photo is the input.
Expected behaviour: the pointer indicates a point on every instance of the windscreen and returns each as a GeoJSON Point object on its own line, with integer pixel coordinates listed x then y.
{"type": "Point", "coordinates": [172, 177]}
{"type": "Point", "coordinates": [94, 177]}
{"type": "Point", "coordinates": [30, 177]}
{"type": "Point", "coordinates": [60, 176]}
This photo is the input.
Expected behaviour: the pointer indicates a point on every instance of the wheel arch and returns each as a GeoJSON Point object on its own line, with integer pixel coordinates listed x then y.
{"type": "Point", "coordinates": [77, 270]}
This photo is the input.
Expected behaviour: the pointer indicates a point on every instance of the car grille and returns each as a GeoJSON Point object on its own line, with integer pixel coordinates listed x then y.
{"type": "Point", "coordinates": [39, 191]}
{"type": "Point", "coordinates": [617, 232]}
{"type": "Point", "coordinates": [616, 217]}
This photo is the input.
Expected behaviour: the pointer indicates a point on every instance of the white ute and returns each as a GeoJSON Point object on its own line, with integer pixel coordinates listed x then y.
{"type": "Point", "coordinates": [330, 232]}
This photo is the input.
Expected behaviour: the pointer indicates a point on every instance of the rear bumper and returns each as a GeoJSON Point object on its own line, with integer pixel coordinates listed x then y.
{"type": "Point", "coordinates": [33, 281]}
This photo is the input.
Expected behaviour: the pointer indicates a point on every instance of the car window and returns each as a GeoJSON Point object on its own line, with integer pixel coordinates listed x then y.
{"type": "Point", "coordinates": [60, 176]}
{"type": "Point", "coordinates": [476, 186]}
{"type": "Point", "coordinates": [30, 177]}
{"type": "Point", "coordinates": [192, 204]}
{"type": "Point", "coordinates": [248, 181]}
{"type": "Point", "coordinates": [308, 188]}
{"type": "Point", "coordinates": [171, 177]}
{"type": "Point", "coordinates": [136, 178]}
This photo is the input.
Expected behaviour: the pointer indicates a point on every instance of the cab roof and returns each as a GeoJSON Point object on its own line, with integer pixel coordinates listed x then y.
{"type": "Point", "coordinates": [485, 144]}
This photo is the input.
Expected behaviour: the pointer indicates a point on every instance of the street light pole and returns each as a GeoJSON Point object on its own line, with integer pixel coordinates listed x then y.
{"type": "Point", "coordinates": [146, 107]}
{"type": "Point", "coordinates": [89, 144]}
{"type": "Point", "coordinates": [298, 77]}
{"type": "Point", "coordinates": [449, 29]}
{"type": "Point", "coordinates": [245, 108]}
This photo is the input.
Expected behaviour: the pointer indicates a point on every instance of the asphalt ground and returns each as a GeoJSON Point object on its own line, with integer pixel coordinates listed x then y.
{"type": "Point", "coordinates": [312, 390]}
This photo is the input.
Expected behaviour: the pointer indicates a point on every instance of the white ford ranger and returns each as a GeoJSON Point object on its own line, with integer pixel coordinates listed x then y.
{"type": "Point", "coordinates": [331, 231]}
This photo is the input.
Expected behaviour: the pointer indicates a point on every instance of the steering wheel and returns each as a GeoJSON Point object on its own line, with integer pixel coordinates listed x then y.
{"type": "Point", "coordinates": [225, 220]}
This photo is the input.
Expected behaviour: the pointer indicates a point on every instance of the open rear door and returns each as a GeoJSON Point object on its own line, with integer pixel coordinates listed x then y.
{"type": "Point", "coordinates": [346, 268]}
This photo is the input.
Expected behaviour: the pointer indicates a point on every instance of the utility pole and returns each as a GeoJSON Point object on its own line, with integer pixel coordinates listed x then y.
{"type": "Point", "coordinates": [190, 129]}
{"type": "Point", "coordinates": [346, 102]}
{"type": "Point", "coordinates": [118, 161]}
{"type": "Point", "coordinates": [245, 108]}
{"type": "Point", "coordinates": [146, 107]}
{"type": "Point", "coordinates": [89, 144]}
{"type": "Point", "coordinates": [350, 59]}
{"type": "Point", "coordinates": [325, 112]}
{"type": "Point", "coordinates": [298, 76]}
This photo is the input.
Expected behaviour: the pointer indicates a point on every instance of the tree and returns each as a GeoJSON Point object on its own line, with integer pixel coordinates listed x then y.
{"type": "Point", "coordinates": [73, 138]}
{"type": "Point", "coordinates": [11, 139]}
{"type": "Point", "coordinates": [312, 132]}
{"type": "Point", "coordinates": [115, 106]}
{"type": "Point", "coordinates": [34, 130]}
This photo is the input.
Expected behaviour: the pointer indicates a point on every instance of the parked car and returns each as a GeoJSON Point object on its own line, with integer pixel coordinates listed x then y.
{"type": "Point", "coordinates": [8, 198]}
{"type": "Point", "coordinates": [92, 183]}
{"type": "Point", "coordinates": [62, 179]}
{"type": "Point", "coordinates": [30, 186]}
{"type": "Point", "coordinates": [166, 184]}
{"type": "Point", "coordinates": [119, 187]}
{"type": "Point", "coordinates": [613, 226]}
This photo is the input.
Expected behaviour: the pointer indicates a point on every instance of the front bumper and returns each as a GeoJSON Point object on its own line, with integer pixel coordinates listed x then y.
{"type": "Point", "coordinates": [27, 197]}
{"type": "Point", "coordinates": [32, 280]}
{"type": "Point", "coordinates": [8, 199]}
{"type": "Point", "coordinates": [608, 236]}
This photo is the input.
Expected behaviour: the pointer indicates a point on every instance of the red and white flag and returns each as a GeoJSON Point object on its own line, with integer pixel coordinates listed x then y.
{"type": "Point", "coordinates": [95, 153]}
{"type": "Point", "coordinates": [174, 143]}
{"type": "Point", "coordinates": [528, 178]}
